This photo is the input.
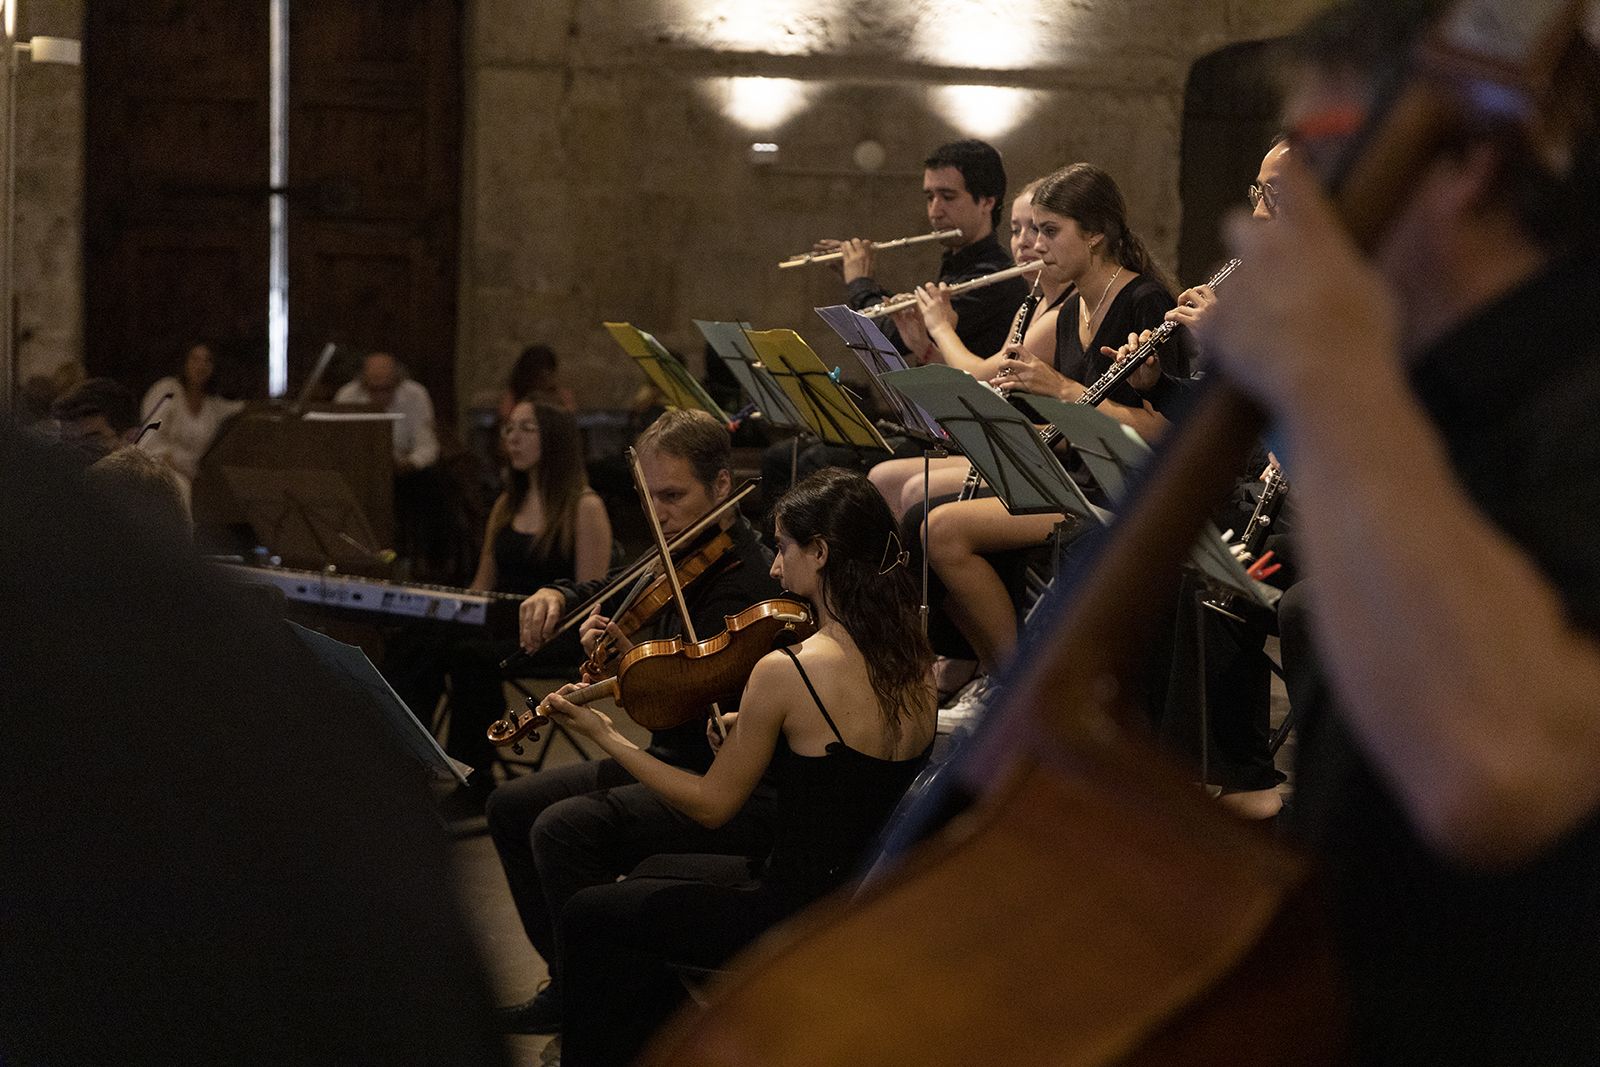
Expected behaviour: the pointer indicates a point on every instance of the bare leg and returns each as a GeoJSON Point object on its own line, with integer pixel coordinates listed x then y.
{"type": "Point", "coordinates": [892, 476]}
{"type": "Point", "coordinates": [943, 480]}
{"type": "Point", "coordinates": [978, 604]}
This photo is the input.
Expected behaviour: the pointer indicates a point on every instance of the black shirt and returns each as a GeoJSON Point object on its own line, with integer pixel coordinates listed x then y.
{"type": "Point", "coordinates": [1446, 964]}
{"type": "Point", "coordinates": [737, 580]}
{"type": "Point", "coordinates": [1137, 306]}
{"type": "Point", "coordinates": [983, 315]}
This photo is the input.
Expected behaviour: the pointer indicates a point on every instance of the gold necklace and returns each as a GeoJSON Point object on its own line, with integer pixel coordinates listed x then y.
{"type": "Point", "coordinates": [1089, 315]}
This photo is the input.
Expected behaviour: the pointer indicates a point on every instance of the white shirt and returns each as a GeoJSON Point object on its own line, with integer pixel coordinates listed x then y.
{"type": "Point", "coordinates": [184, 435]}
{"type": "Point", "coordinates": [414, 440]}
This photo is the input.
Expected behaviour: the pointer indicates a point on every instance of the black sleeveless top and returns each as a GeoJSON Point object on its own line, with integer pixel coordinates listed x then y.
{"type": "Point", "coordinates": [519, 569]}
{"type": "Point", "coordinates": [830, 809]}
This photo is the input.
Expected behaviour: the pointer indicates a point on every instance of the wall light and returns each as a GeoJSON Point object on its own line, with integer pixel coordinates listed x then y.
{"type": "Point", "coordinates": [761, 105]}
{"type": "Point", "coordinates": [980, 34]}
{"type": "Point", "coordinates": [986, 111]}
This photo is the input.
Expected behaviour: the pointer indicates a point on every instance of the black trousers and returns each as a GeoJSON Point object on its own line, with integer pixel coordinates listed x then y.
{"type": "Point", "coordinates": [420, 657]}
{"type": "Point", "coordinates": [570, 828]}
{"type": "Point", "coordinates": [621, 943]}
{"type": "Point", "coordinates": [1237, 736]}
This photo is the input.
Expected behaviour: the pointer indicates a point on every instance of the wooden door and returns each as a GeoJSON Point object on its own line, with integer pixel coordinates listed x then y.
{"type": "Point", "coordinates": [178, 93]}
{"type": "Point", "coordinates": [374, 162]}
{"type": "Point", "coordinates": [176, 237]}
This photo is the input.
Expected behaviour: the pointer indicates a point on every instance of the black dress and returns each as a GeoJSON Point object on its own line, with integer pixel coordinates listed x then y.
{"type": "Point", "coordinates": [621, 943]}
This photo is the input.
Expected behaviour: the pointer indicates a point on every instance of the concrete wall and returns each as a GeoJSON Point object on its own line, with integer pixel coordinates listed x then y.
{"type": "Point", "coordinates": [49, 205]}
{"type": "Point", "coordinates": [605, 179]}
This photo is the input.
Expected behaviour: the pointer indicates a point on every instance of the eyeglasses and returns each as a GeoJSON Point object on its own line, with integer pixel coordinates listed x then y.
{"type": "Point", "coordinates": [1260, 192]}
{"type": "Point", "coordinates": [510, 428]}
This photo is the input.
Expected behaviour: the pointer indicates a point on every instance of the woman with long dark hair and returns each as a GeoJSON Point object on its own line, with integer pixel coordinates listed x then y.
{"type": "Point", "coordinates": [1083, 233]}
{"type": "Point", "coordinates": [839, 725]}
{"type": "Point", "coordinates": [547, 524]}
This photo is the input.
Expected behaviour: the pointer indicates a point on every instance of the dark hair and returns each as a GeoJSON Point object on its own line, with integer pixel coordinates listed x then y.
{"type": "Point", "coordinates": [559, 478]}
{"type": "Point", "coordinates": [210, 387]}
{"type": "Point", "coordinates": [1550, 177]}
{"type": "Point", "coordinates": [98, 396]}
{"type": "Point", "coordinates": [980, 167]}
{"type": "Point", "coordinates": [534, 371]}
{"type": "Point", "coordinates": [865, 584]}
{"type": "Point", "coordinates": [692, 435]}
{"type": "Point", "coordinates": [1087, 195]}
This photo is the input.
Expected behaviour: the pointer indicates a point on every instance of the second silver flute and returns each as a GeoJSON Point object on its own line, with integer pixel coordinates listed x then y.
{"type": "Point", "coordinates": [900, 303]}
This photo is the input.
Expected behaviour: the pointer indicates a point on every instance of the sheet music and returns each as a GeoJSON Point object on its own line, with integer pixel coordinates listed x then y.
{"type": "Point", "coordinates": [664, 371]}
{"type": "Point", "coordinates": [808, 383]}
{"type": "Point", "coordinates": [879, 356]}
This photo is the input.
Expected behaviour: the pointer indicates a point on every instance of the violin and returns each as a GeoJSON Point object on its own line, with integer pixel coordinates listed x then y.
{"type": "Point", "coordinates": [634, 571]}
{"type": "Point", "coordinates": [701, 556]}
{"type": "Point", "coordinates": [662, 684]}
{"type": "Point", "coordinates": [1087, 905]}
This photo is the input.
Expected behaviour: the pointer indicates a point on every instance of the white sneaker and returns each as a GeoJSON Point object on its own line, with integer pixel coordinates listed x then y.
{"type": "Point", "coordinates": [967, 706]}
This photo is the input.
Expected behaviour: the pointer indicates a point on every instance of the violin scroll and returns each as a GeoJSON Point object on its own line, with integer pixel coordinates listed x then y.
{"type": "Point", "coordinates": [509, 732]}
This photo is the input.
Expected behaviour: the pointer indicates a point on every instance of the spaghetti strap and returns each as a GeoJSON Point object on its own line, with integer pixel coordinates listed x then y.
{"type": "Point", "coordinates": [813, 689]}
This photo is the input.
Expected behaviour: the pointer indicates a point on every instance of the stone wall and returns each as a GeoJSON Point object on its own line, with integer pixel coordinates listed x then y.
{"type": "Point", "coordinates": [605, 178]}
{"type": "Point", "coordinates": [49, 205]}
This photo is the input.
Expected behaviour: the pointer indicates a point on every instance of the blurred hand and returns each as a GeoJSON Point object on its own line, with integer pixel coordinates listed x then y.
{"type": "Point", "coordinates": [538, 616]}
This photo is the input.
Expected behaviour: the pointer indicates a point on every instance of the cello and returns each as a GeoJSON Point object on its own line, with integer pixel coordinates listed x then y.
{"type": "Point", "coordinates": [1087, 905]}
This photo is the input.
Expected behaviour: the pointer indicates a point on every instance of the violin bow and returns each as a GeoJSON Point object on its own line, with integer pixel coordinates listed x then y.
{"type": "Point", "coordinates": [668, 567]}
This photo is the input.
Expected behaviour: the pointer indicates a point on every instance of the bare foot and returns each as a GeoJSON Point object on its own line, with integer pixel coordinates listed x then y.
{"type": "Point", "coordinates": [1253, 803]}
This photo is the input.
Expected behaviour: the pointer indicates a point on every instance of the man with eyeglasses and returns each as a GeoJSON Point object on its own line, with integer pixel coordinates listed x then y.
{"type": "Point", "coordinates": [1264, 190]}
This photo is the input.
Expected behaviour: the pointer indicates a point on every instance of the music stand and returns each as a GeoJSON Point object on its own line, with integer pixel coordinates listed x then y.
{"type": "Point", "coordinates": [998, 440]}
{"type": "Point", "coordinates": [1112, 452]}
{"type": "Point", "coordinates": [878, 356]}
{"type": "Point", "coordinates": [732, 347]}
{"type": "Point", "coordinates": [352, 664]}
{"type": "Point", "coordinates": [664, 370]}
{"type": "Point", "coordinates": [310, 518]}
{"type": "Point", "coordinates": [815, 392]}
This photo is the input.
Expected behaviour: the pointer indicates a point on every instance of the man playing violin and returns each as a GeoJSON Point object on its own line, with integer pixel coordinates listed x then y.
{"type": "Point", "coordinates": [568, 828]}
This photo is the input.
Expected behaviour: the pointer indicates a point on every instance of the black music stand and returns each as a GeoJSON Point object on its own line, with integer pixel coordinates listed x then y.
{"type": "Point", "coordinates": [999, 441]}
{"type": "Point", "coordinates": [732, 347]}
{"type": "Point", "coordinates": [310, 518]}
{"type": "Point", "coordinates": [351, 664]}
{"type": "Point", "coordinates": [1113, 452]}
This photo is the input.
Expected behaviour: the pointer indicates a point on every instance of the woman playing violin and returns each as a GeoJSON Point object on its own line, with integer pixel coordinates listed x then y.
{"type": "Point", "coordinates": [843, 723]}
{"type": "Point", "coordinates": [567, 828]}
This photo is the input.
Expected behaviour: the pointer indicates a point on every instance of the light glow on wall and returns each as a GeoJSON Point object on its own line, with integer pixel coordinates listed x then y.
{"type": "Point", "coordinates": [770, 27]}
{"type": "Point", "coordinates": [760, 105]}
{"type": "Point", "coordinates": [986, 111]}
{"type": "Point", "coordinates": [980, 34]}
